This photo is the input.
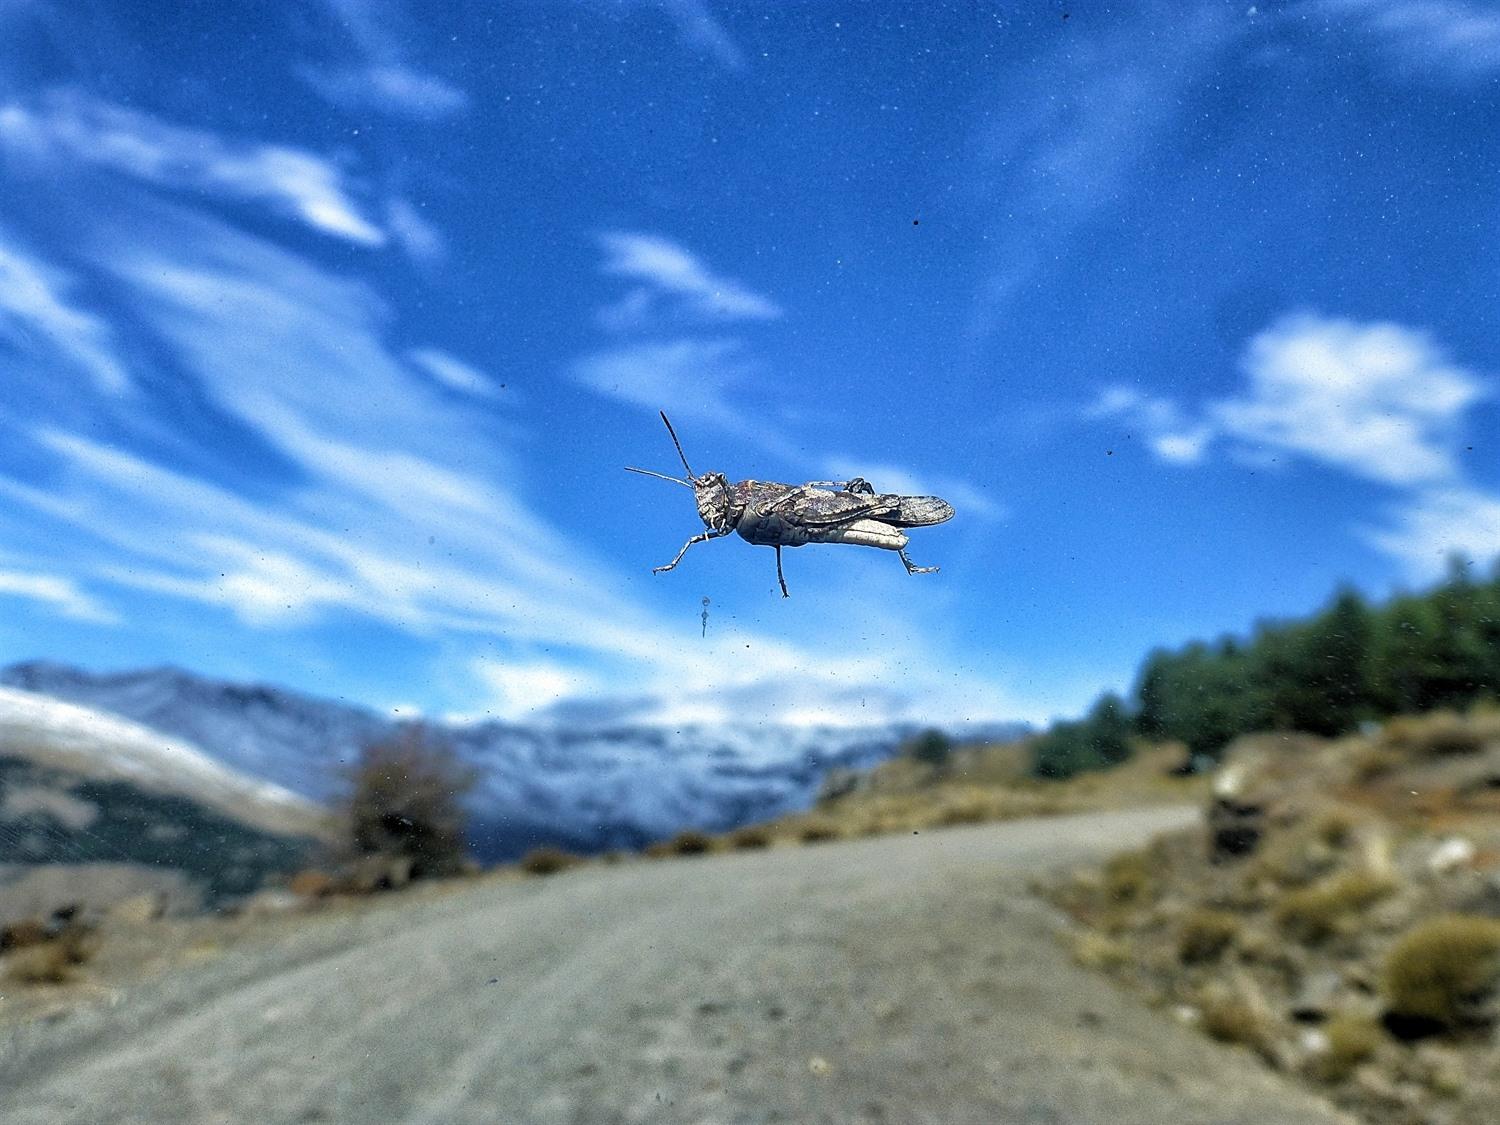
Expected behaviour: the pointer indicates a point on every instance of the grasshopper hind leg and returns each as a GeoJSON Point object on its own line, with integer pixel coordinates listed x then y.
{"type": "Point", "coordinates": [913, 568]}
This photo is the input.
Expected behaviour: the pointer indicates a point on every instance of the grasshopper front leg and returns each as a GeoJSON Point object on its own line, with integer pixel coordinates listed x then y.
{"type": "Point", "coordinates": [704, 538]}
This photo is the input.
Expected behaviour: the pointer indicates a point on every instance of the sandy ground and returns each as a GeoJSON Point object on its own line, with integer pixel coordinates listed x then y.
{"type": "Point", "coordinates": [903, 979]}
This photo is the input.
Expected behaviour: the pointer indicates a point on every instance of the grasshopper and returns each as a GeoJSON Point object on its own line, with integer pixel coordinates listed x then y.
{"type": "Point", "coordinates": [769, 514]}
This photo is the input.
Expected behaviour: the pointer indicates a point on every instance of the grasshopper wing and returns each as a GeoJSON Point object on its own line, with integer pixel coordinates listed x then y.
{"type": "Point", "coordinates": [917, 511]}
{"type": "Point", "coordinates": [819, 507]}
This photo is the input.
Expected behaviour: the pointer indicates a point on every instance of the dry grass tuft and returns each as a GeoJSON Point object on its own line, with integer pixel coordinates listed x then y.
{"type": "Point", "coordinates": [1127, 878]}
{"type": "Point", "coordinates": [1352, 1039]}
{"type": "Point", "coordinates": [691, 842]}
{"type": "Point", "coordinates": [750, 837]}
{"type": "Point", "coordinates": [1094, 950]}
{"type": "Point", "coordinates": [1313, 914]}
{"type": "Point", "coordinates": [819, 832]}
{"type": "Point", "coordinates": [548, 861]}
{"type": "Point", "coordinates": [1440, 734]}
{"type": "Point", "coordinates": [54, 961]}
{"type": "Point", "coordinates": [1230, 1016]}
{"type": "Point", "coordinates": [1446, 971]}
{"type": "Point", "coordinates": [1206, 936]}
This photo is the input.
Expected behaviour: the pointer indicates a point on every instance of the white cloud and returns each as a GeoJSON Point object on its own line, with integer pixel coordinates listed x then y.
{"type": "Point", "coordinates": [1182, 448]}
{"type": "Point", "coordinates": [288, 181]}
{"type": "Point", "coordinates": [1375, 400]}
{"type": "Point", "coordinates": [1168, 433]}
{"type": "Point", "coordinates": [62, 594]}
{"type": "Point", "coordinates": [1451, 38]}
{"type": "Point", "coordinates": [521, 689]}
{"type": "Point", "coordinates": [1378, 400]}
{"type": "Point", "coordinates": [675, 284]}
{"type": "Point", "coordinates": [390, 88]}
{"type": "Point", "coordinates": [1433, 524]}
{"type": "Point", "coordinates": [32, 306]}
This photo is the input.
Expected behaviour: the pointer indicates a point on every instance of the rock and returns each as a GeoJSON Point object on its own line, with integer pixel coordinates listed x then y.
{"type": "Point", "coordinates": [1317, 998]}
{"type": "Point", "coordinates": [1234, 828]}
{"type": "Point", "coordinates": [1450, 854]}
{"type": "Point", "coordinates": [137, 910]}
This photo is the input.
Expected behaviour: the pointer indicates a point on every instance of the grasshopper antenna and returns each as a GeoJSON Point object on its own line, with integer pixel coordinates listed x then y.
{"type": "Point", "coordinates": [658, 476]}
{"type": "Point", "coordinates": [677, 443]}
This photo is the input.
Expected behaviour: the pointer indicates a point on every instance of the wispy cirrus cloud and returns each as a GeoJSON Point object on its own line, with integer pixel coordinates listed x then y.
{"type": "Point", "coordinates": [391, 88]}
{"type": "Point", "coordinates": [61, 594]}
{"type": "Point", "coordinates": [695, 378]}
{"type": "Point", "coordinates": [1454, 39]}
{"type": "Point", "coordinates": [1054, 163]}
{"type": "Point", "coordinates": [698, 29]}
{"type": "Point", "coordinates": [36, 316]}
{"type": "Point", "coordinates": [378, 73]}
{"type": "Point", "coordinates": [290, 182]}
{"type": "Point", "coordinates": [674, 286]}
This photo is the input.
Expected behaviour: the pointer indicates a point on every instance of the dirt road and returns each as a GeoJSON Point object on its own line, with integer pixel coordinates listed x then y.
{"type": "Point", "coordinates": [901, 980]}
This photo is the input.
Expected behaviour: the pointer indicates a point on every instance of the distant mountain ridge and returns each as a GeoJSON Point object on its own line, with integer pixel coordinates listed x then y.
{"type": "Point", "coordinates": [582, 788]}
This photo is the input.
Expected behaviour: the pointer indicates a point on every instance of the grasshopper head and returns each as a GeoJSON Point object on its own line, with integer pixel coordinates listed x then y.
{"type": "Point", "coordinates": [716, 506]}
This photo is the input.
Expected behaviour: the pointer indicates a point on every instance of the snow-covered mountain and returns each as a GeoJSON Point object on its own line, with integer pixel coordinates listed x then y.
{"type": "Point", "coordinates": [582, 788]}
{"type": "Point", "coordinates": [94, 807]}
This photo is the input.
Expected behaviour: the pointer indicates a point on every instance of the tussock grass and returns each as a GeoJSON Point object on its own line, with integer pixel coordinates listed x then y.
{"type": "Point", "coordinates": [1206, 935]}
{"type": "Point", "coordinates": [53, 961]}
{"type": "Point", "coordinates": [1313, 914]}
{"type": "Point", "coordinates": [1445, 971]}
{"type": "Point", "coordinates": [1353, 1039]}
{"type": "Point", "coordinates": [691, 842]}
{"type": "Point", "coordinates": [750, 837]}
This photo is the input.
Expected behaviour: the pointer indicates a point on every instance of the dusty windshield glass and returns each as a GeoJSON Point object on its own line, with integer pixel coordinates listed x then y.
{"type": "Point", "coordinates": [616, 561]}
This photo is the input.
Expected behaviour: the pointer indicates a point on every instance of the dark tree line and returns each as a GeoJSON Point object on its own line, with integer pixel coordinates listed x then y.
{"type": "Point", "coordinates": [1351, 662]}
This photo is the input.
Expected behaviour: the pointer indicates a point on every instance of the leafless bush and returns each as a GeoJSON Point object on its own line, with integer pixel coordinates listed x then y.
{"type": "Point", "coordinates": [406, 803]}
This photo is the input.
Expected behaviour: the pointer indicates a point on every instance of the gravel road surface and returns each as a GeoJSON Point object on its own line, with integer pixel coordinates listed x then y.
{"type": "Point", "coordinates": [897, 980]}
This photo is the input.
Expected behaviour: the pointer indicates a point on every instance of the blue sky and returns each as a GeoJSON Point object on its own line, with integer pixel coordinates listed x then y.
{"type": "Point", "coordinates": [326, 329]}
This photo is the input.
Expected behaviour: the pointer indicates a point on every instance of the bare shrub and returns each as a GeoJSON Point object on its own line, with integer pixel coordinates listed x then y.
{"type": "Point", "coordinates": [406, 803]}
